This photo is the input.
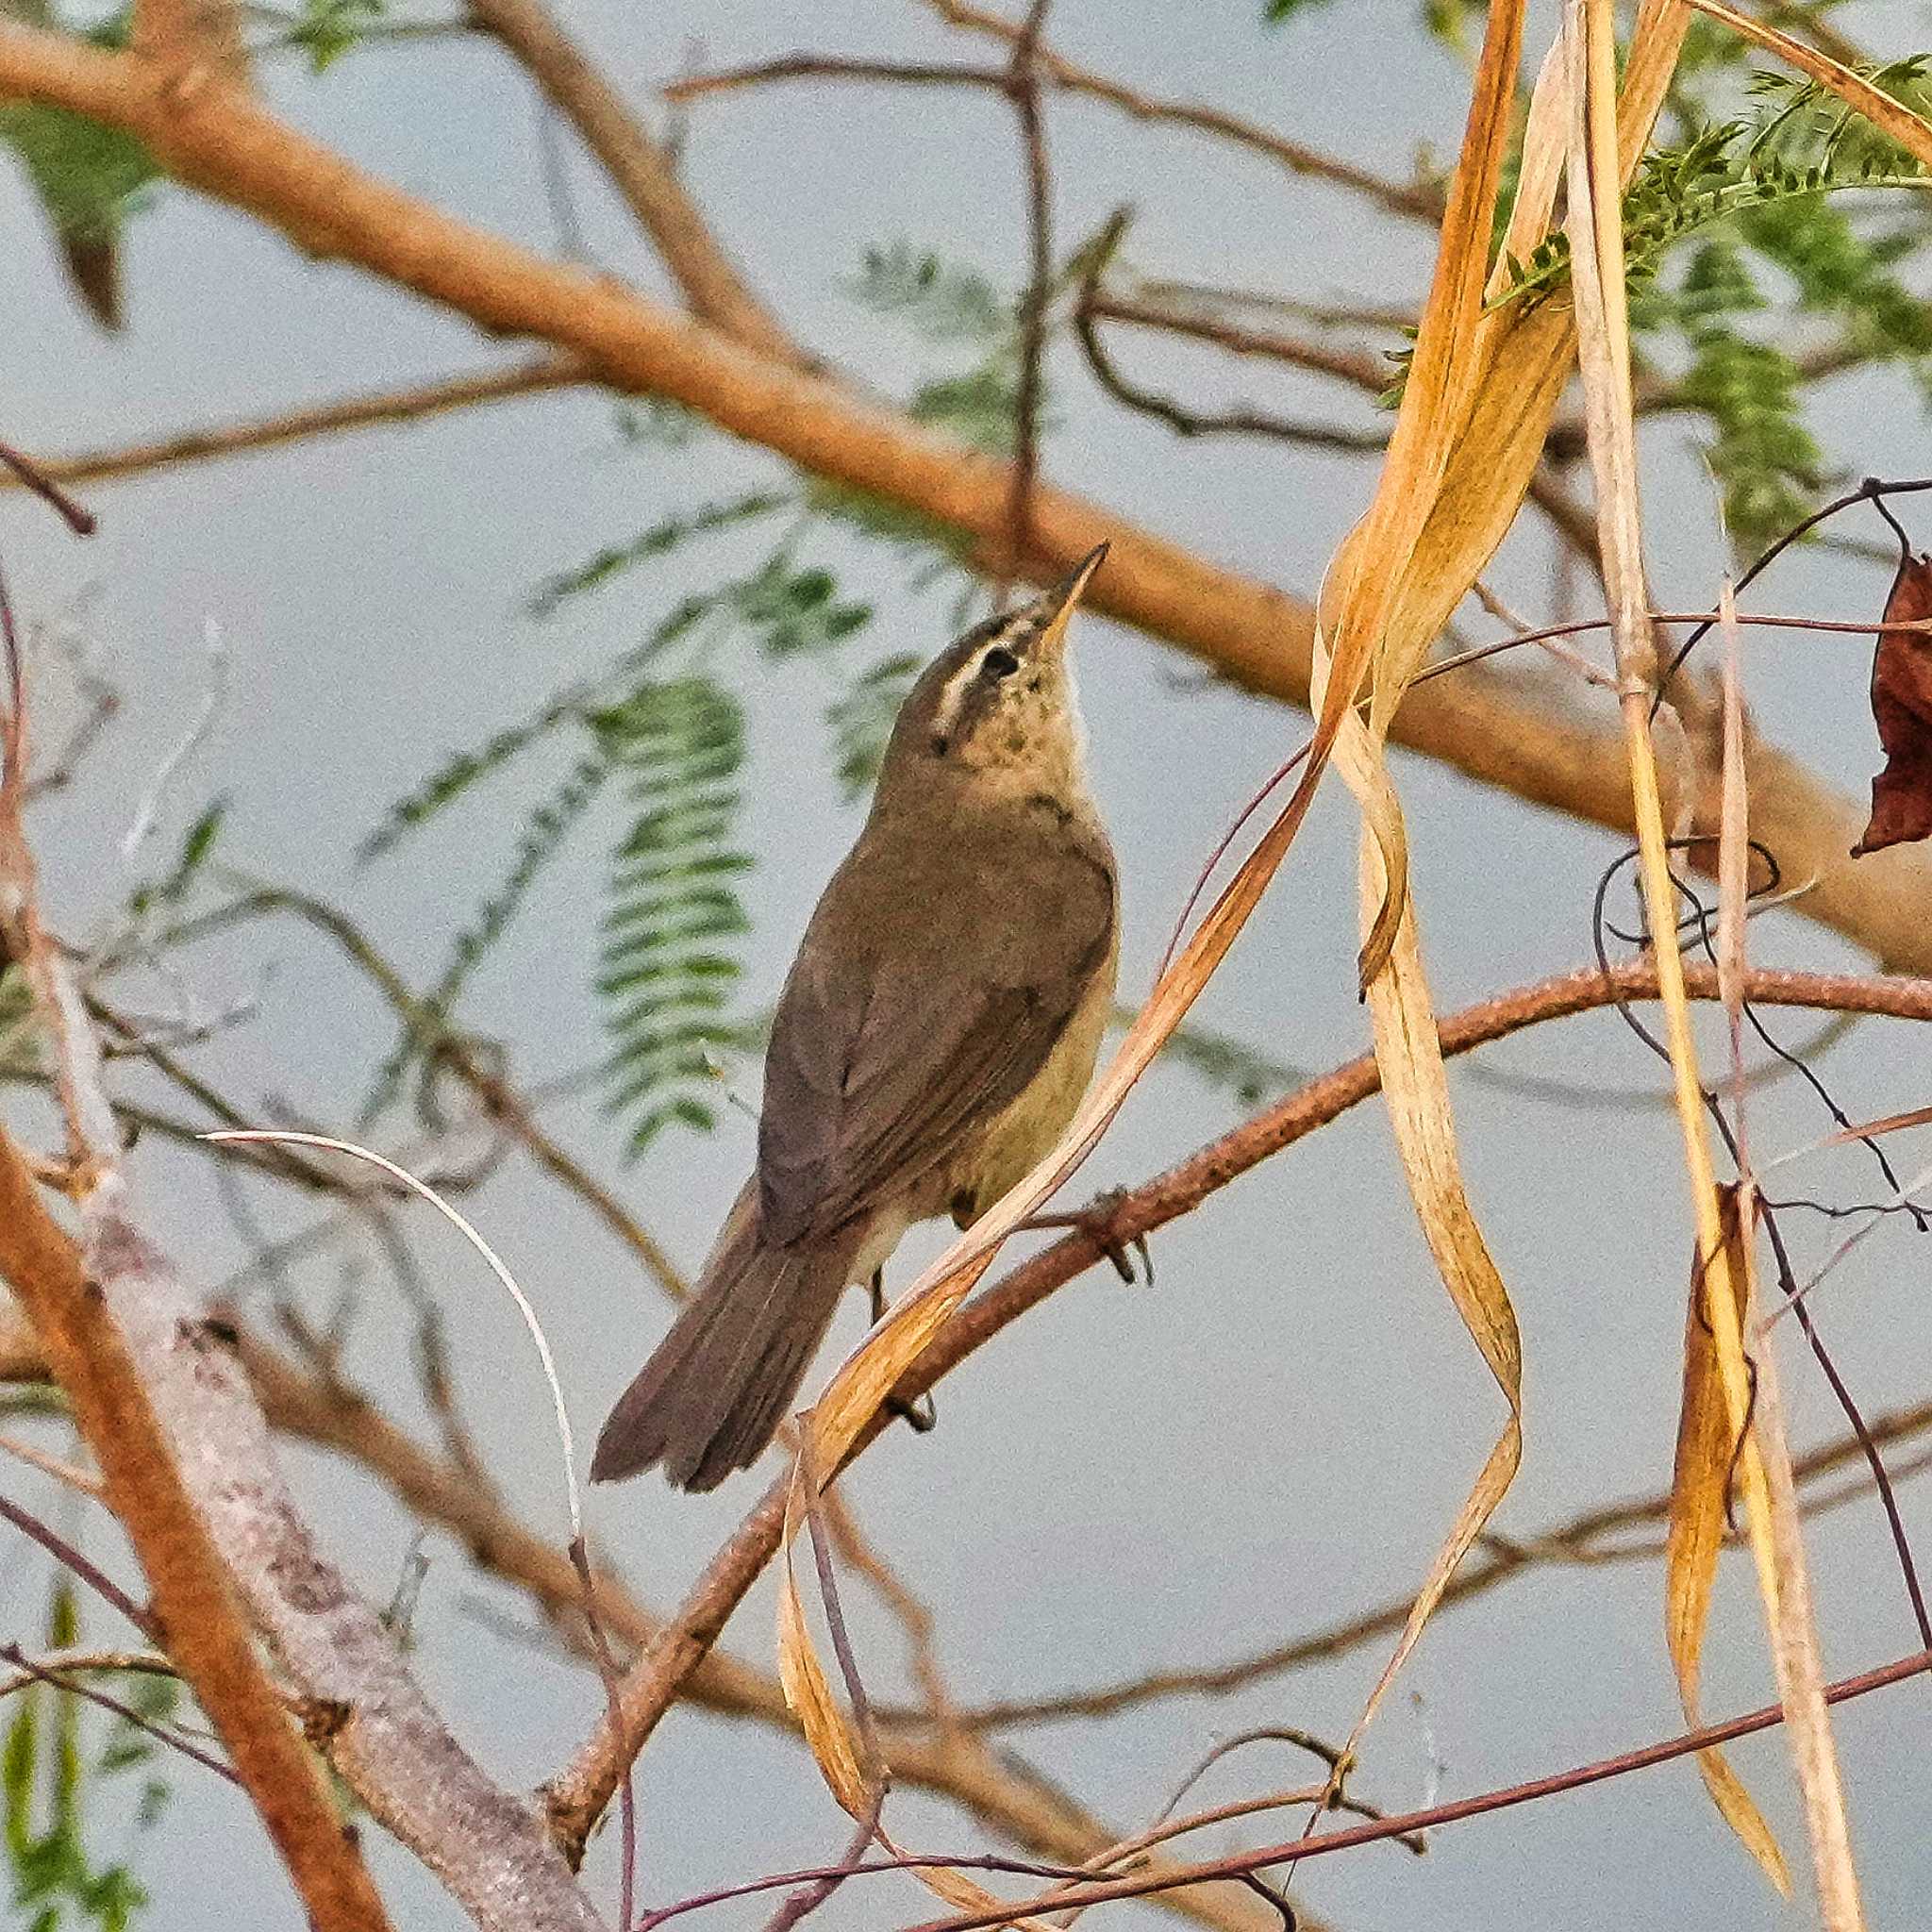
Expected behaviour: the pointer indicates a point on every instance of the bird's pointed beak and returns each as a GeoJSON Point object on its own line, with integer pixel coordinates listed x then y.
{"type": "Point", "coordinates": [1058, 604]}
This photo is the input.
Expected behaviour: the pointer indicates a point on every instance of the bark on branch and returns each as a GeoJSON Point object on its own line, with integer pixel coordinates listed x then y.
{"type": "Point", "coordinates": [192, 1474]}
{"type": "Point", "coordinates": [81, 1312]}
{"type": "Point", "coordinates": [382, 1735]}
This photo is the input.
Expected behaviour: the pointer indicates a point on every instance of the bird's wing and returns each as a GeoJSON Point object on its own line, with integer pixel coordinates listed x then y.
{"type": "Point", "coordinates": [885, 1057]}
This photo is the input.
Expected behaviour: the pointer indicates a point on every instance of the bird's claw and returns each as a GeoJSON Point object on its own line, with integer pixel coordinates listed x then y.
{"type": "Point", "coordinates": [1097, 1221]}
{"type": "Point", "coordinates": [921, 1416]}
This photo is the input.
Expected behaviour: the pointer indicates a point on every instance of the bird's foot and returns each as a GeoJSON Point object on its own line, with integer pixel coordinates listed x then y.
{"type": "Point", "coordinates": [921, 1417]}
{"type": "Point", "coordinates": [1099, 1222]}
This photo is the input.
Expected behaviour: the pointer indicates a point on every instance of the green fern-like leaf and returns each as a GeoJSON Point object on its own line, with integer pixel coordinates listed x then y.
{"type": "Point", "coordinates": [653, 422]}
{"type": "Point", "coordinates": [1769, 463]}
{"type": "Point", "coordinates": [1843, 273]}
{"type": "Point", "coordinates": [1796, 141]}
{"type": "Point", "coordinates": [1758, 189]}
{"type": "Point", "coordinates": [88, 177]}
{"type": "Point", "coordinates": [1244, 1071]}
{"type": "Point", "coordinates": [979, 407]}
{"type": "Point", "coordinates": [1766, 459]}
{"type": "Point", "coordinates": [660, 540]}
{"type": "Point", "coordinates": [942, 300]}
{"type": "Point", "coordinates": [861, 718]}
{"type": "Point", "coordinates": [197, 847]}
{"type": "Point", "coordinates": [791, 612]}
{"type": "Point", "coordinates": [667, 971]}
{"type": "Point", "coordinates": [459, 774]}
{"type": "Point", "coordinates": [456, 775]}
{"type": "Point", "coordinates": [541, 838]}
{"type": "Point", "coordinates": [1802, 124]}
{"type": "Point", "coordinates": [327, 29]}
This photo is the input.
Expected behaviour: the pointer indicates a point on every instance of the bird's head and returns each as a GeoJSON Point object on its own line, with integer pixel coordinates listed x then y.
{"type": "Point", "coordinates": [998, 708]}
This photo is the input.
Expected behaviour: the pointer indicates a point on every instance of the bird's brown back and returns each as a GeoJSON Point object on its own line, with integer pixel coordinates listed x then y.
{"type": "Point", "coordinates": [945, 960]}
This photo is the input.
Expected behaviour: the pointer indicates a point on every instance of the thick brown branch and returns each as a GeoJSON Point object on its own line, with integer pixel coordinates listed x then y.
{"type": "Point", "coordinates": [577, 1797]}
{"type": "Point", "coordinates": [79, 1314]}
{"type": "Point", "coordinates": [97, 1304]}
{"type": "Point", "coordinates": [1485, 725]}
{"type": "Point", "coordinates": [387, 1742]}
{"type": "Point", "coordinates": [22, 1358]}
{"type": "Point", "coordinates": [201, 39]}
{"type": "Point", "coordinates": [641, 171]}
{"type": "Point", "coordinates": [188, 1470]}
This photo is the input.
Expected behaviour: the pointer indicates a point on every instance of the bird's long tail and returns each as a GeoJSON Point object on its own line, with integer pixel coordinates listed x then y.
{"type": "Point", "coordinates": [714, 1392]}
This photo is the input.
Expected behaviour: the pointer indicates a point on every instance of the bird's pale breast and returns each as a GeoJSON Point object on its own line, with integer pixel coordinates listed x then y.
{"type": "Point", "coordinates": [1016, 1140]}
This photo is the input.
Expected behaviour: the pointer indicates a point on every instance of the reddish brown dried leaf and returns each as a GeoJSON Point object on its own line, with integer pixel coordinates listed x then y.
{"type": "Point", "coordinates": [1902, 707]}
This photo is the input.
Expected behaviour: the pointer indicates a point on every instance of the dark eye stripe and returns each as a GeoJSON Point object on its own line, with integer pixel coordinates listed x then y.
{"type": "Point", "coordinates": [998, 662]}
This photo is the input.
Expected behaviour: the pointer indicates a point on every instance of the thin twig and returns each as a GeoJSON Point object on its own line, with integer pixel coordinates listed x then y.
{"type": "Point", "coordinates": [641, 171]}
{"type": "Point", "coordinates": [803, 1903]}
{"type": "Point", "coordinates": [183, 1450]}
{"type": "Point", "coordinates": [88, 1300]}
{"type": "Point", "coordinates": [28, 475]}
{"type": "Point", "coordinates": [1239, 421]}
{"type": "Point", "coordinates": [1248, 630]}
{"type": "Point", "coordinates": [1583, 1540]}
{"type": "Point", "coordinates": [1091, 306]}
{"type": "Point", "coordinates": [57, 1677]}
{"type": "Point", "coordinates": [150, 1663]}
{"type": "Point", "coordinates": [577, 1797]}
{"type": "Point", "coordinates": [214, 701]}
{"type": "Point", "coordinates": [998, 1787]}
{"type": "Point", "coordinates": [725, 80]}
{"type": "Point", "coordinates": [1872, 489]}
{"type": "Point", "coordinates": [1360, 368]}
{"type": "Point", "coordinates": [376, 410]}
{"type": "Point", "coordinates": [500, 1099]}
{"type": "Point", "coordinates": [1244, 1864]}
{"type": "Point", "coordinates": [83, 1482]}
{"type": "Point", "coordinates": [572, 1493]}
{"type": "Point", "coordinates": [1022, 88]}
{"type": "Point", "coordinates": [89, 1571]}
{"type": "Point", "coordinates": [915, 1618]}
{"type": "Point", "coordinates": [1417, 201]}
{"type": "Point", "coordinates": [1321, 1844]}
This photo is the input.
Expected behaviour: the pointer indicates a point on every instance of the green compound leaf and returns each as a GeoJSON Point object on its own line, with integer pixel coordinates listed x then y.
{"type": "Point", "coordinates": [667, 971]}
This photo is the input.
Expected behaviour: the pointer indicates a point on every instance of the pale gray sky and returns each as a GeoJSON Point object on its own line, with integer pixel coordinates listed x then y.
{"type": "Point", "coordinates": [1282, 1429]}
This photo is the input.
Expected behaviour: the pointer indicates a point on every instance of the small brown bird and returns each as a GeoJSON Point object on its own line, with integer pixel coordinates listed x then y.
{"type": "Point", "coordinates": [935, 1033]}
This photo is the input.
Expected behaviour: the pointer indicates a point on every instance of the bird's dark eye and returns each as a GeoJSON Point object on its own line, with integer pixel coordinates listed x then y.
{"type": "Point", "coordinates": [997, 663]}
